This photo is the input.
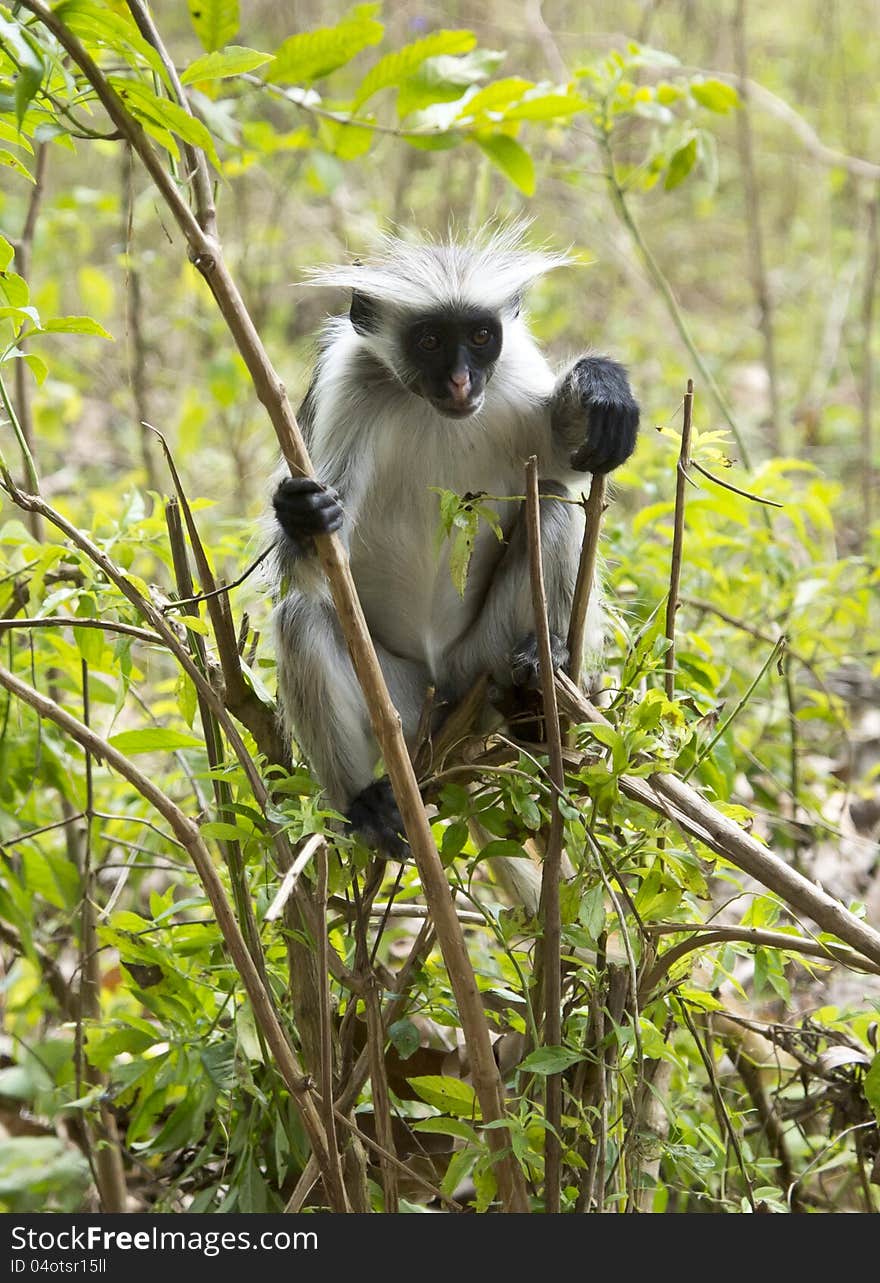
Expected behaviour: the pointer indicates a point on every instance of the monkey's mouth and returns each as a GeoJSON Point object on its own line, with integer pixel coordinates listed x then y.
{"type": "Point", "coordinates": [451, 410]}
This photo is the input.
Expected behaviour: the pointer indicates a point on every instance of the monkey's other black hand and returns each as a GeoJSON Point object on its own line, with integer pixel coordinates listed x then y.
{"type": "Point", "coordinates": [596, 394]}
{"type": "Point", "coordinates": [305, 508]}
{"type": "Point", "coordinates": [525, 662]}
{"type": "Point", "coordinates": [375, 815]}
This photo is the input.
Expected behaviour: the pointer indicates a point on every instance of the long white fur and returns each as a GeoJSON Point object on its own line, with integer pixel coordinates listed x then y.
{"type": "Point", "coordinates": [491, 269]}
{"type": "Point", "coordinates": [383, 448]}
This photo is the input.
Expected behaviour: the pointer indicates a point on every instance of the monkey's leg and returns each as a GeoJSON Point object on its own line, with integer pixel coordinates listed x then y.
{"type": "Point", "coordinates": [324, 707]}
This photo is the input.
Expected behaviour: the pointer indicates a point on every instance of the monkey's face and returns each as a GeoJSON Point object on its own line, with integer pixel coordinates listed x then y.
{"type": "Point", "coordinates": [452, 355]}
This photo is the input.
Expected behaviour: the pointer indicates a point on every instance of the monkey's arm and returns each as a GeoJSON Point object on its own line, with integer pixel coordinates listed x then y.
{"type": "Point", "coordinates": [594, 417]}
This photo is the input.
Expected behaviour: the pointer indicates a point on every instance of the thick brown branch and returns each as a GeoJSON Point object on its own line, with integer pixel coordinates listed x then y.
{"type": "Point", "coordinates": [699, 818]}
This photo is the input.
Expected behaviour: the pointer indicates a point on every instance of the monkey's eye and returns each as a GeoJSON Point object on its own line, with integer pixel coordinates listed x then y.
{"type": "Point", "coordinates": [429, 342]}
{"type": "Point", "coordinates": [480, 337]}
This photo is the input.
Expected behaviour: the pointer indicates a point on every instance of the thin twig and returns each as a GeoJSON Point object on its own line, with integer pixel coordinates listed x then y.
{"type": "Point", "coordinates": [872, 265]}
{"type": "Point", "coordinates": [726, 485]}
{"type": "Point", "coordinates": [22, 262]}
{"type": "Point", "coordinates": [231, 848]}
{"type": "Point", "coordinates": [71, 621]}
{"type": "Point", "coordinates": [108, 1164]}
{"type": "Point", "coordinates": [753, 222]}
{"type": "Point", "coordinates": [381, 1099]}
{"type": "Point", "coordinates": [240, 696]}
{"type": "Point", "coordinates": [593, 509]}
{"type": "Point", "coordinates": [196, 161]}
{"type": "Point", "coordinates": [684, 459]}
{"type": "Point", "coordinates": [180, 602]}
{"type": "Point", "coordinates": [549, 908]}
{"type": "Point", "coordinates": [56, 983]}
{"type": "Point", "coordinates": [326, 1021]}
{"type": "Point", "coordinates": [656, 273]}
{"type": "Point", "coordinates": [721, 1109]}
{"type": "Point", "coordinates": [291, 877]}
{"type": "Point", "coordinates": [778, 649]}
{"type": "Point", "coordinates": [134, 306]}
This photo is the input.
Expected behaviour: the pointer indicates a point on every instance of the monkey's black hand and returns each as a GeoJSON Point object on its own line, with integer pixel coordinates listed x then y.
{"type": "Point", "coordinates": [375, 815]}
{"type": "Point", "coordinates": [305, 508]}
{"type": "Point", "coordinates": [525, 662]}
{"type": "Point", "coordinates": [595, 394]}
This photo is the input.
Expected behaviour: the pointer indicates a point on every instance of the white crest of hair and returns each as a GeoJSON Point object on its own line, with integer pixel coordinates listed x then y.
{"type": "Point", "coordinates": [489, 269]}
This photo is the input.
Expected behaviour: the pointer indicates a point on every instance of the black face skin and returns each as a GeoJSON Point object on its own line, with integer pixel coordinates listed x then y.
{"type": "Point", "coordinates": [454, 354]}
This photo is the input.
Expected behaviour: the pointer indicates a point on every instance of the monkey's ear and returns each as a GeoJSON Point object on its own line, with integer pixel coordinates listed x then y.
{"type": "Point", "coordinates": [364, 313]}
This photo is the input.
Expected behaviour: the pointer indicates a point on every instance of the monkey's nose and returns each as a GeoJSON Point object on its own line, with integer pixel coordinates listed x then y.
{"type": "Point", "coordinates": [460, 385]}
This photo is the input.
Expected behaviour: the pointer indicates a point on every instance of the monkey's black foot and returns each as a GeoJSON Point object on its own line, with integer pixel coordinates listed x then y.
{"type": "Point", "coordinates": [375, 815]}
{"type": "Point", "coordinates": [525, 662]}
{"type": "Point", "coordinates": [597, 390]}
{"type": "Point", "coordinates": [305, 508]}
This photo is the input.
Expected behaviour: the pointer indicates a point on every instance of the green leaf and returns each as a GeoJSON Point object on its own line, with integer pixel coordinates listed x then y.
{"type": "Point", "coordinates": [314, 54]}
{"type": "Point", "coordinates": [441, 141]}
{"type": "Point", "coordinates": [42, 1167]}
{"type": "Point", "coordinates": [37, 366]}
{"type": "Point", "coordinates": [455, 836]}
{"type": "Point", "coordinates": [74, 325]}
{"type": "Point", "coordinates": [503, 847]}
{"type": "Point", "coordinates": [215, 21]}
{"type": "Point", "coordinates": [496, 97]}
{"type": "Point", "coordinates": [447, 1127]}
{"type": "Point", "coordinates": [717, 95]}
{"type": "Point", "coordinates": [152, 739]}
{"type": "Point", "coordinates": [90, 643]}
{"type": "Point", "coordinates": [347, 141]}
{"type": "Point", "coordinates": [187, 699]}
{"type": "Point", "coordinates": [14, 287]}
{"type": "Point", "coordinates": [512, 159]}
{"type": "Point", "coordinates": [459, 1167]}
{"type": "Point", "coordinates": [15, 37]}
{"type": "Point", "coordinates": [12, 162]}
{"type": "Point", "coordinates": [540, 105]}
{"type": "Point", "coordinates": [612, 739]}
{"type": "Point", "coordinates": [550, 1060]}
{"type": "Point", "coordinates": [219, 65]}
{"type": "Point", "coordinates": [226, 832]}
{"type": "Point", "coordinates": [396, 67]}
{"type": "Point", "coordinates": [444, 79]}
{"type": "Point", "coordinates": [97, 24]}
{"type": "Point", "coordinates": [449, 1095]}
{"type": "Point", "coordinates": [7, 253]}
{"type": "Point", "coordinates": [27, 83]}
{"type": "Point", "coordinates": [872, 1086]}
{"type": "Point", "coordinates": [164, 115]}
{"type": "Point", "coordinates": [591, 912]}
{"type": "Point", "coordinates": [50, 875]}
{"type": "Point", "coordinates": [681, 164]}
{"type": "Point", "coordinates": [405, 1037]}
